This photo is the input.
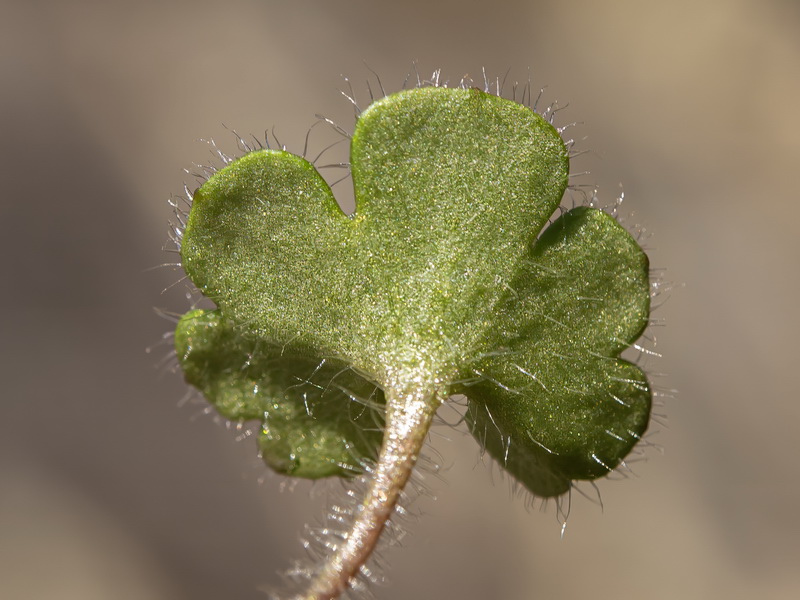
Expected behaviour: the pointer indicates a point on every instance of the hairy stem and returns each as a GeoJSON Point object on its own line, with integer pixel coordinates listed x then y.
{"type": "Point", "coordinates": [408, 418]}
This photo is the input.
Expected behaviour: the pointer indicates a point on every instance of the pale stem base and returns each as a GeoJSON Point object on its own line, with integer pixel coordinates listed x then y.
{"type": "Point", "coordinates": [408, 418]}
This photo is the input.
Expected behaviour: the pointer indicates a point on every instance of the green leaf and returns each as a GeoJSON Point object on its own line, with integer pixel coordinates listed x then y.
{"type": "Point", "coordinates": [437, 281]}
{"type": "Point", "coordinates": [557, 403]}
{"type": "Point", "coordinates": [318, 418]}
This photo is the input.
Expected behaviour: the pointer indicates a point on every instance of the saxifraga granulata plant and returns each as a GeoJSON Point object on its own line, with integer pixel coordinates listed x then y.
{"type": "Point", "coordinates": [342, 334]}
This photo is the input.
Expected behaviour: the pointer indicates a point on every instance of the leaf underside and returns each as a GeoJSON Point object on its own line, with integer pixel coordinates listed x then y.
{"type": "Point", "coordinates": [443, 274]}
{"type": "Point", "coordinates": [318, 418]}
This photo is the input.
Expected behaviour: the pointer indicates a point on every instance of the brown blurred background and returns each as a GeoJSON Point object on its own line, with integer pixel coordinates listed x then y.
{"type": "Point", "coordinates": [109, 489]}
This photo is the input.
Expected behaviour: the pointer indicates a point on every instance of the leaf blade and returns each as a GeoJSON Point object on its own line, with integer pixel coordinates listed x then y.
{"type": "Point", "coordinates": [264, 240]}
{"type": "Point", "coordinates": [451, 187]}
{"type": "Point", "coordinates": [317, 418]}
{"type": "Point", "coordinates": [572, 408]}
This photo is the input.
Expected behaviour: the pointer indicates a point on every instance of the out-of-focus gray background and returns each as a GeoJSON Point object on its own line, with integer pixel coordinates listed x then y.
{"type": "Point", "coordinates": [108, 489]}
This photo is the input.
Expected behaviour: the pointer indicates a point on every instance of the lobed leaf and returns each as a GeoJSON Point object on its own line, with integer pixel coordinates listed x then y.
{"type": "Point", "coordinates": [437, 280]}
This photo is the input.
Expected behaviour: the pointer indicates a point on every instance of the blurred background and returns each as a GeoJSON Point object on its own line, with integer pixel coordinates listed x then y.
{"type": "Point", "coordinates": [110, 489]}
